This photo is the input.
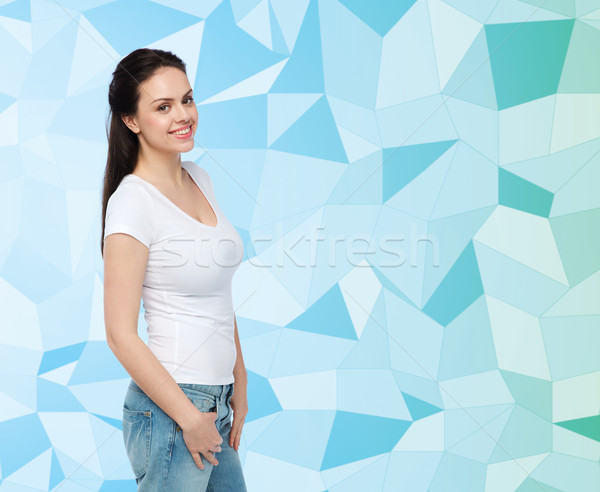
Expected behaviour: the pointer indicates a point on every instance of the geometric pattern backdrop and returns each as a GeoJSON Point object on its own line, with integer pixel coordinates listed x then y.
{"type": "Point", "coordinates": [416, 186]}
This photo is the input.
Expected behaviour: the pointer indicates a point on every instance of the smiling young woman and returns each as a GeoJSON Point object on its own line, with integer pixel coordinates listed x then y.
{"type": "Point", "coordinates": [190, 379]}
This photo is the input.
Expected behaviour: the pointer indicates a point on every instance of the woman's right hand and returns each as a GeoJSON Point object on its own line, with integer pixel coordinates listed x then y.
{"type": "Point", "coordinates": [202, 438]}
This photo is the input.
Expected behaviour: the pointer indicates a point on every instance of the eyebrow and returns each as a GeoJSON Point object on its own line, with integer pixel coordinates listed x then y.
{"type": "Point", "coordinates": [169, 98]}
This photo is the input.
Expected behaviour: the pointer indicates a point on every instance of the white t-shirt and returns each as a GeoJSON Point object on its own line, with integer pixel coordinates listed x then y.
{"type": "Point", "coordinates": [187, 286]}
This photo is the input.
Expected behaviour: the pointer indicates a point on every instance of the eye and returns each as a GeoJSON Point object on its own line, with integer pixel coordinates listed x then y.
{"type": "Point", "coordinates": [189, 98]}
{"type": "Point", "coordinates": [160, 108]}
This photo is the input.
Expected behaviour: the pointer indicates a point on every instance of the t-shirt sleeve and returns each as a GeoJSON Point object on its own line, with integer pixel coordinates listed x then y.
{"type": "Point", "coordinates": [129, 211]}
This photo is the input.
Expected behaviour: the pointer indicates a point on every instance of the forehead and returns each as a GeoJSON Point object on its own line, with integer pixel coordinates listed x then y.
{"type": "Point", "coordinates": [167, 82]}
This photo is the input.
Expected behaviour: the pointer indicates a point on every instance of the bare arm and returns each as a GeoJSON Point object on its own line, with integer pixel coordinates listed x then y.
{"type": "Point", "coordinates": [239, 400]}
{"type": "Point", "coordinates": [125, 260]}
{"type": "Point", "coordinates": [239, 370]}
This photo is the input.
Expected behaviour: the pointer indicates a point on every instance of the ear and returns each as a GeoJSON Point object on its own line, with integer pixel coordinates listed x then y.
{"type": "Point", "coordinates": [131, 123]}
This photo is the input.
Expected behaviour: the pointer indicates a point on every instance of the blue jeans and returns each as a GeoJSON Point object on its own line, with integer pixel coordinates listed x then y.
{"type": "Point", "coordinates": [159, 458]}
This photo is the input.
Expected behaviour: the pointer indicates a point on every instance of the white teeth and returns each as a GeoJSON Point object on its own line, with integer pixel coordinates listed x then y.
{"type": "Point", "coordinates": [182, 132]}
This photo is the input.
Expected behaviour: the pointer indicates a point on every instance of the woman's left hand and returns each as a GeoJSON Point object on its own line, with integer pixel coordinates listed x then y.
{"type": "Point", "coordinates": [239, 405]}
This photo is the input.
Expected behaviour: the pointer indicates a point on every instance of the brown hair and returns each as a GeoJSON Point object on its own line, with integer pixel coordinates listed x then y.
{"type": "Point", "coordinates": [123, 96]}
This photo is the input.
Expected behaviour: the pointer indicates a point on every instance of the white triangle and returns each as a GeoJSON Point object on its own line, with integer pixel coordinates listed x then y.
{"type": "Point", "coordinates": [257, 23]}
{"type": "Point", "coordinates": [12, 409]}
{"type": "Point", "coordinates": [186, 45]}
{"type": "Point", "coordinates": [360, 284]}
{"type": "Point", "coordinates": [453, 34]}
{"type": "Point", "coordinates": [60, 375]}
{"type": "Point", "coordinates": [426, 434]}
{"type": "Point", "coordinates": [255, 85]}
{"type": "Point", "coordinates": [34, 474]}
{"type": "Point", "coordinates": [20, 30]}
{"type": "Point", "coordinates": [356, 147]}
{"type": "Point", "coordinates": [92, 54]}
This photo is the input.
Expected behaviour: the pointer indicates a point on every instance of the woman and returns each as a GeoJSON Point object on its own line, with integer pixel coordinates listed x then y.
{"type": "Point", "coordinates": [166, 241]}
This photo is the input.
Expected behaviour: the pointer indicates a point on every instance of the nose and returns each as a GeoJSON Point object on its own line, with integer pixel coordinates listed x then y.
{"type": "Point", "coordinates": [182, 114]}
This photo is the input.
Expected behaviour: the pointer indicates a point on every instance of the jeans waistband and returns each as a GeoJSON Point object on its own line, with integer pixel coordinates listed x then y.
{"type": "Point", "coordinates": [217, 390]}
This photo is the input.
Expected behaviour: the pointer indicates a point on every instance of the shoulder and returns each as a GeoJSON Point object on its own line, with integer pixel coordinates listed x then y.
{"type": "Point", "coordinates": [131, 190]}
{"type": "Point", "coordinates": [130, 199]}
{"type": "Point", "coordinates": [130, 210]}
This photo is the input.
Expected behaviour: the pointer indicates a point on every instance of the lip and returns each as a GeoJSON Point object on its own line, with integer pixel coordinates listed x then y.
{"type": "Point", "coordinates": [181, 128]}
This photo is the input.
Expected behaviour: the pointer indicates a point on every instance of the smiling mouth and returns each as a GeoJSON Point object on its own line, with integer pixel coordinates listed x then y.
{"type": "Point", "coordinates": [184, 131]}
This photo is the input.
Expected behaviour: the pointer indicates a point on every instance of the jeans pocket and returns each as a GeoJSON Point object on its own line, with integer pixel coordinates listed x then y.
{"type": "Point", "coordinates": [137, 433]}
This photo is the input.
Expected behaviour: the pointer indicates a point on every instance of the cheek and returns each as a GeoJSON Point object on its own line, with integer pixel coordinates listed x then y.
{"type": "Point", "coordinates": [158, 123]}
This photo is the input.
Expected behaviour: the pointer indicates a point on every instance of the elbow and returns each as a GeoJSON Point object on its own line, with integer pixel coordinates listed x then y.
{"type": "Point", "coordinates": [117, 340]}
{"type": "Point", "coordinates": [112, 343]}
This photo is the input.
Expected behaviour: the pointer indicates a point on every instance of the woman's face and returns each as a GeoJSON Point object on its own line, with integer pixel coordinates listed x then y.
{"type": "Point", "coordinates": [166, 117]}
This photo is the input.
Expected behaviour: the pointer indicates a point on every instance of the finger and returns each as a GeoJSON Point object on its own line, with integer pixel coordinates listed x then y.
{"type": "Point", "coordinates": [198, 460]}
{"type": "Point", "coordinates": [233, 433]}
{"type": "Point", "coordinates": [210, 458]}
{"type": "Point", "coordinates": [235, 430]}
{"type": "Point", "coordinates": [236, 433]}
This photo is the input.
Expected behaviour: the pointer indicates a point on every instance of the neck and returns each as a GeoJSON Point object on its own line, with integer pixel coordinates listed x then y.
{"type": "Point", "coordinates": [156, 167]}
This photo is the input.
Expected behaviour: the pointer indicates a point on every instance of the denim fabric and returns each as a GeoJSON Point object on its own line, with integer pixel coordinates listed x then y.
{"type": "Point", "coordinates": [159, 458]}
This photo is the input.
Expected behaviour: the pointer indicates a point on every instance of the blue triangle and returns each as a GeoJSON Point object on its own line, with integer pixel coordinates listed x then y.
{"type": "Point", "coordinates": [56, 472]}
{"type": "Point", "coordinates": [381, 15]}
{"type": "Point", "coordinates": [116, 423]}
{"type": "Point", "coordinates": [127, 25]}
{"type": "Point", "coordinates": [419, 409]}
{"type": "Point", "coordinates": [261, 397]}
{"type": "Point", "coordinates": [459, 289]}
{"type": "Point", "coordinates": [314, 134]}
{"type": "Point", "coordinates": [54, 397]}
{"type": "Point", "coordinates": [59, 357]}
{"type": "Point", "coordinates": [95, 355]}
{"type": "Point", "coordinates": [328, 316]}
{"type": "Point", "coordinates": [403, 164]}
{"type": "Point", "coordinates": [20, 9]}
{"type": "Point", "coordinates": [229, 54]}
{"type": "Point", "coordinates": [356, 436]}
{"type": "Point", "coordinates": [5, 101]}
{"type": "Point", "coordinates": [277, 39]}
{"type": "Point", "coordinates": [303, 73]}
{"type": "Point", "coordinates": [27, 429]}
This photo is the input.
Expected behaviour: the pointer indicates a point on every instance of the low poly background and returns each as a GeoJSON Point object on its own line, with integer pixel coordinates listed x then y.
{"type": "Point", "coordinates": [416, 184]}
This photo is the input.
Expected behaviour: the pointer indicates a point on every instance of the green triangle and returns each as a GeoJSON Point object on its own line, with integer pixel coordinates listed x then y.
{"type": "Point", "coordinates": [587, 426]}
{"type": "Point", "coordinates": [520, 194]}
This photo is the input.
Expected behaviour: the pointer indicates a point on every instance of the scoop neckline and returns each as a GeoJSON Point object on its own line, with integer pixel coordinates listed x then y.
{"type": "Point", "coordinates": [181, 211]}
